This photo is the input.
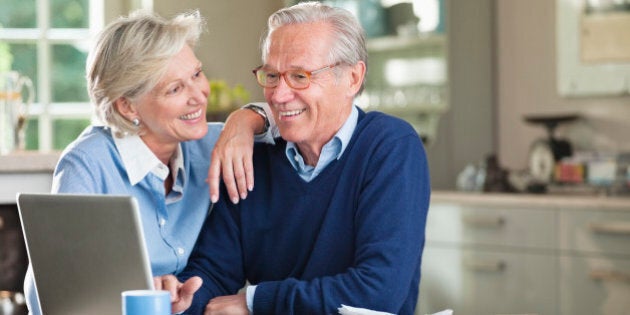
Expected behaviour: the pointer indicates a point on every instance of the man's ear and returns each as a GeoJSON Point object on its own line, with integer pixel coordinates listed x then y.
{"type": "Point", "coordinates": [125, 108]}
{"type": "Point", "coordinates": [357, 75]}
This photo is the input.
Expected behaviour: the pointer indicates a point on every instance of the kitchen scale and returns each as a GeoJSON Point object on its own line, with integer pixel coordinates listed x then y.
{"type": "Point", "coordinates": [544, 153]}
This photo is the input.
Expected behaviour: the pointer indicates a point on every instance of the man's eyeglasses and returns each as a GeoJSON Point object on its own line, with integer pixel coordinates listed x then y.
{"type": "Point", "coordinates": [297, 79]}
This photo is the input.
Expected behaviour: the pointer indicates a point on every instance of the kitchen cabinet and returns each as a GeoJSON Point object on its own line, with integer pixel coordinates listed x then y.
{"type": "Point", "coordinates": [594, 262]}
{"type": "Point", "coordinates": [487, 281]}
{"type": "Point", "coordinates": [594, 285]}
{"type": "Point", "coordinates": [520, 254]}
{"type": "Point", "coordinates": [495, 265]}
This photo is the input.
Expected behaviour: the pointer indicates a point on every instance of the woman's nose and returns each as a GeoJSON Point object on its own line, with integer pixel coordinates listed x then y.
{"type": "Point", "coordinates": [199, 93]}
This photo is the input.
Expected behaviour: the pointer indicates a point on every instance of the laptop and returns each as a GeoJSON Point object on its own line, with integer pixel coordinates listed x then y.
{"type": "Point", "coordinates": [85, 250]}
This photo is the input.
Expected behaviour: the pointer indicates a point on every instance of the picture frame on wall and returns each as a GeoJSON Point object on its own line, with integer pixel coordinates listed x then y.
{"type": "Point", "coordinates": [593, 49]}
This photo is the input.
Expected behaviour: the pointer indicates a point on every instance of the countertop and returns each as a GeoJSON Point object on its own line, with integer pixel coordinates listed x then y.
{"type": "Point", "coordinates": [27, 166]}
{"type": "Point", "coordinates": [28, 171]}
{"type": "Point", "coordinates": [28, 162]}
{"type": "Point", "coordinates": [533, 200]}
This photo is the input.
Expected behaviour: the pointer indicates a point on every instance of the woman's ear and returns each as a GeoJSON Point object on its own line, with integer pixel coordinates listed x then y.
{"type": "Point", "coordinates": [125, 108]}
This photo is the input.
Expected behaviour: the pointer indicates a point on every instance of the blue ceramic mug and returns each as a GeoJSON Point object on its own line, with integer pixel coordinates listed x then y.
{"type": "Point", "coordinates": [143, 302]}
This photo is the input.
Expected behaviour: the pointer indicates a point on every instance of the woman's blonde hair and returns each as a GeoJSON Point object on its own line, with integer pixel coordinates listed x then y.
{"type": "Point", "coordinates": [130, 57]}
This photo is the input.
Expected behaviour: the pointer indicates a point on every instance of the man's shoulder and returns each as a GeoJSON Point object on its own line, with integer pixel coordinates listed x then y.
{"type": "Point", "coordinates": [265, 153]}
{"type": "Point", "coordinates": [385, 125]}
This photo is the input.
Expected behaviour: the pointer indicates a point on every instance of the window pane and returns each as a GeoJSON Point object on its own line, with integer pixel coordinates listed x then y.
{"type": "Point", "coordinates": [6, 58]}
{"type": "Point", "coordinates": [18, 14]}
{"type": "Point", "coordinates": [24, 60]}
{"type": "Point", "coordinates": [32, 133]}
{"type": "Point", "coordinates": [68, 74]}
{"type": "Point", "coordinates": [66, 130]}
{"type": "Point", "coordinates": [69, 13]}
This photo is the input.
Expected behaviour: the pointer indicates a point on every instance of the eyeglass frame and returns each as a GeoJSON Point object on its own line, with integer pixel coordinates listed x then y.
{"type": "Point", "coordinates": [288, 82]}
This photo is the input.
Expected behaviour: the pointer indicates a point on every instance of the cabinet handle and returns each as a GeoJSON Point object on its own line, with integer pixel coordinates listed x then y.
{"type": "Point", "coordinates": [610, 275]}
{"type": "Point", "coordinates": [478, 221]}
{"type": "Point", "coordinates": [486, 266]}
{"type": "Point", "coordinates": [1, 223]}
{"type": "Point", "coordinates": [617, 228]}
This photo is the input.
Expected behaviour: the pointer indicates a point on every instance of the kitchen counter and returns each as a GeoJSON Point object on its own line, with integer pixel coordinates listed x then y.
{"type": "Point", "coordinates": [497, 253]}
{"type": "Point", "coordinates": [32, 171]}
{"type": "Point", "coordinates": [28, 162]}
{"type": "Point", "coordinates": [25, 172]}
{"type": "Point", "coordinates": [566, 201]}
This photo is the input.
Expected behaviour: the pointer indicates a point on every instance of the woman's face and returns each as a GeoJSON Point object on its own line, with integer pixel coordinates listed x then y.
{"type": "Point", "coordinates": [175, 110]}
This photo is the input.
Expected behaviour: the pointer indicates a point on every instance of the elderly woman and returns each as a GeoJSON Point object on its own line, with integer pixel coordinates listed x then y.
{"type": "Point", "coordinates": [150, 93]}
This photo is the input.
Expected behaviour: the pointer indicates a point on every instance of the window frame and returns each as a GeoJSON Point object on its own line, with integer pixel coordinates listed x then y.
{"type": "Point", "coordinates": [44, 37]}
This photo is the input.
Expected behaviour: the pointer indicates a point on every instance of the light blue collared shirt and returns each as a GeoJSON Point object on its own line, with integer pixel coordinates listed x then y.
{"type": "Point", "coordinates": [98, 163]}
{"type": "Point", "coordinates": [332, 150]}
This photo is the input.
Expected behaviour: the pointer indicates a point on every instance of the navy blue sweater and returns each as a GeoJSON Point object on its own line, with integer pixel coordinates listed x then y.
{"type": "Point", "coordinates": [354, 235]}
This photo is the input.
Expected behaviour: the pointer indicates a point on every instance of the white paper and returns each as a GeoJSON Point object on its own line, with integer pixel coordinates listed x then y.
{"type": "Point", "coordinates": [349, 310]}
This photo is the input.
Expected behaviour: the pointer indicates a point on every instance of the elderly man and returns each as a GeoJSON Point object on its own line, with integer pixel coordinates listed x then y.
{"type": "Point", "coordinates": [338, 213]}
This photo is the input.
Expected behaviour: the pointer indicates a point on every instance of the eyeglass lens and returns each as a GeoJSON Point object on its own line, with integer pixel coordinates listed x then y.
{"type": "Point", "coordinates": [297, 79]}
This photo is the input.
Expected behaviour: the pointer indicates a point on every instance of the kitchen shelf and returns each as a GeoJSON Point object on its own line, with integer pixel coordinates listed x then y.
{"type": "Point", "coordinates": [396, 43]}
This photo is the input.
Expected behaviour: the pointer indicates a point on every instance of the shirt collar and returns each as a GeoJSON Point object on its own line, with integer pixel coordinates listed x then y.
{"type": "Point", "coordinates": [139, 160]}
{"type": "Point", "coordinates": [342, 137]}
{"type": "Point", "coordinates": [345, 133]}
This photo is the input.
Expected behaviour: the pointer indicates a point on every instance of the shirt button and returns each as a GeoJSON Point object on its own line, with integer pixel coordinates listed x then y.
{"type": "Point", "coordinates": [180, 251]}
{"type": "Point", "coordinates": [162, 222]}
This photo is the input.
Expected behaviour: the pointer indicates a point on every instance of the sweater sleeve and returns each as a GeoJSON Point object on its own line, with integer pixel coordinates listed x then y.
{"type": "Point", "coordinates": [217, 256]}
{"type": "Point", "coordinates": [390, 212]}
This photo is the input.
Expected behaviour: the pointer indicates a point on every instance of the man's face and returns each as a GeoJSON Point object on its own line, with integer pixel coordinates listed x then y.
{"type": "Point", "coordinates": [309, 117]}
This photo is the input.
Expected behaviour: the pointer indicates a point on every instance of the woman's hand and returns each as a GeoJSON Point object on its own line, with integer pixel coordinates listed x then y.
{"type": "Point", "coordinates": [232, 155]}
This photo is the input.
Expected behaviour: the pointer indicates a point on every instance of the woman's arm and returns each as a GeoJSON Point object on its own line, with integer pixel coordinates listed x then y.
{"type": "Point", "coordinates": [232, 154]}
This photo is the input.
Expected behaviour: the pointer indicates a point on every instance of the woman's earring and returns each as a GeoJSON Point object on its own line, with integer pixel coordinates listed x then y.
{"type": "Point", "coordinates": [136, 122]}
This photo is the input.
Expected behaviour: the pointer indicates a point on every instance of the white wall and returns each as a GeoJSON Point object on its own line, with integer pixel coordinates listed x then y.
{"type": "Point", "coordinates": [466, 132]}
{"type": "Point", "coordinates": [230, 48]}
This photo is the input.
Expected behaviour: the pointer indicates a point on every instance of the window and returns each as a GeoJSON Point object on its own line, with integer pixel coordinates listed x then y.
{"type": "Point", "coordinates": [48, 41]}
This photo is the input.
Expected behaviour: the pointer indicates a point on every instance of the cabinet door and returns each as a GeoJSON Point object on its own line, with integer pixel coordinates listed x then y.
{"type": "Point", "coordinates": [482, 281]}
{"type": "Point", "coordinates": [594, 285]}
{"type": "Point", "coordinates": [492, 225]}
{"type": "Point", "coordinates": [593, 231]}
